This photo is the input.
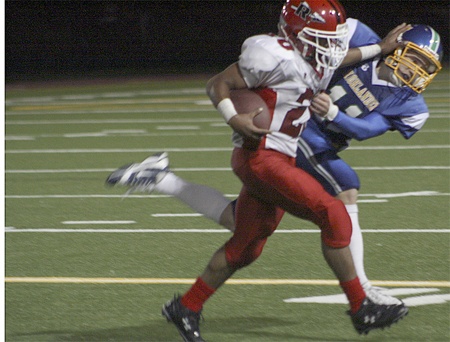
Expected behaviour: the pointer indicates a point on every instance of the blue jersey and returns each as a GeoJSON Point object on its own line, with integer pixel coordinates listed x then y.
{"type": "Point", "coordinates": [360, 34]}
{"type": "Point", "coordinates": [368, 106]}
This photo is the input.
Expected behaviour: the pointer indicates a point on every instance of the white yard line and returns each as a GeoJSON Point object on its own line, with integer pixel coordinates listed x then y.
{"type": "Point", "coordinates": [98, 222]}
{"type": "Point", "coordinates": [120, 150]}
{"type": "Point", "coordinates": [118, 121]}
{"type": "Point", "coordinates": [378, 196]}
{"type": "Point", "coordinates": [200, 149]}
{"type": "Point", "coordinates": [221, 169]}
{"type": "Point", "coordinates": [184, 131]}
{"type": "Point", "coordinates": [178, 215]}
{"type": "Point", "coordinates": [204, 231]}
{"type": "Point", "coordinates": [40, 100]}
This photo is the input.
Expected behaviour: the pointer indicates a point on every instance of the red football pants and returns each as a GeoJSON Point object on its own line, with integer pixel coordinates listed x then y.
{"type": "Point", "coordinates": [272, 184]}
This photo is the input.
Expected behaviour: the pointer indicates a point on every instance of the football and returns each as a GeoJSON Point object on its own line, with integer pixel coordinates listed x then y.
{"type": "Point", "coordinates": [246, 101]}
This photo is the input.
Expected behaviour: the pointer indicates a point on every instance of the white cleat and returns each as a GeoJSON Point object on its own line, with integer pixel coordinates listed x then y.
{"type": "Point", "coordinates": [377, 296]}
{"type": "Point", "coordinates": [141, 176]}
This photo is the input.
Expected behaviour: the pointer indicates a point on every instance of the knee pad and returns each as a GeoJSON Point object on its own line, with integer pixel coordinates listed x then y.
{"type": "Point", "coordinates": [337, 227]}
{"type": "Point", "coordinates": [240, 256]}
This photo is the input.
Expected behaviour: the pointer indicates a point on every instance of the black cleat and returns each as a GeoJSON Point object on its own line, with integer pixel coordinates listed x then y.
{"type": "Point", "coordinates": [376, 316]}
{"type": "Point", "coordinates": [186, 321]}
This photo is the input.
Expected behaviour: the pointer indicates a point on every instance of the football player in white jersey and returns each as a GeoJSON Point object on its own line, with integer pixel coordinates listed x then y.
{"type": "Point", "coordinates": [290, 70]}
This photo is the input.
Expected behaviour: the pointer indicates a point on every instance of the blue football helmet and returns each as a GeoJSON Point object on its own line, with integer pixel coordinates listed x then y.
{"type": "Point", "coordinates": [418, 60]}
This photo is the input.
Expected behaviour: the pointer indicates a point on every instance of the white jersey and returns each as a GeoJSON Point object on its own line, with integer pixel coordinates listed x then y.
{"type": "Point", "coordinates": [286, 82]}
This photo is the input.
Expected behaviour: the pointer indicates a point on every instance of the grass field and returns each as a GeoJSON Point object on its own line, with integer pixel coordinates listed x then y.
{"type": "Point", "coordinates": [83, 264]}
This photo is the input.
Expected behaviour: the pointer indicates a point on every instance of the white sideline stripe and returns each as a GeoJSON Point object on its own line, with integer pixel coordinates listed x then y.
{"type": "Point", "coordinates": [175, 128]}
{"type": "Point", "coordinates": [404, 194]}
{"type": "Point", "coordinates": [372, 201]}
{"type": "Point", "coordinates": [177, 215]}
{"type": "Point", "coordinates": [411, 147]}
{"type": "Point", "coordinates": [67, 230]}
{"type": "Point", "coordinates": [164, 133]}
{"type": "Point", "coordinates": [72, 280]}
{"type": "Point", "coordinates": [116, 121]}
{"type": "Point", "coordinates": [124, 150]}
{"type": "Point", "coordinates": [220, 169]}
{"type": "Point", "coordinates": [210, 149]}
{"type": "Point", "coordinates": [189, 131]}
{"type": "Point", "coordinates": [202, 231]}
{"type": "Point", "coordinates": [434, 131]}
{"type": "Point", "coordinates": [98, 222]}
{"type": "Point", "coordinates": [79, 98]}
{"type": "Point", "coordinates": [194, 169]}
{"type": "Point", "coordinates": [41, 100]}
{"type": "Point", "coordinates": [145, 196]}
{"type": "Point", "coordinates": [115, 101]}
{"type": "Point", "coordinates": [85, 196]}
{"type": "Point", "coordinates": [439, 113]}
{"type": "Point", "coordinates": [50, 99]}
{"type": "Point", "coordinates": [400, 168]}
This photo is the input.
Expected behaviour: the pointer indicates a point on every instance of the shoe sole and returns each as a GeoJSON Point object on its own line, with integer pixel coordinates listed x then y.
{"type": "Point", "coordinates": [166, 314]}
{"type": "Point", "coordinates": [369, 329]}
{"type": "Point", "coordinates": [115, 177]}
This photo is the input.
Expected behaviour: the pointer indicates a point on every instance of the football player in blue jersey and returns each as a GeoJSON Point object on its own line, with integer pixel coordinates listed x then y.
{"type": "Point", "coordinates": [377, 96]}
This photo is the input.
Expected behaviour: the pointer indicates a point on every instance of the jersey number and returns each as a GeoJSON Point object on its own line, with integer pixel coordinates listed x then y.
{"type": "Point", "coordinates": [293, 123]}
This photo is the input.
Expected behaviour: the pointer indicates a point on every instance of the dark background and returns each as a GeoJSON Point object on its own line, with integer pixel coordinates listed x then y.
{"type": "Point", "coordinates": [73, 39]}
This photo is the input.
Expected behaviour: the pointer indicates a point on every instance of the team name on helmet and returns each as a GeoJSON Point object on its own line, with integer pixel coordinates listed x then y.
{"type": "Point", "coordinates": [304, 11]}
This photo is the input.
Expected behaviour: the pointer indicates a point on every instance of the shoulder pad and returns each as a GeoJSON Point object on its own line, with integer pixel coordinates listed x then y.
{"type": "Point", "coordinates": [264, 52]}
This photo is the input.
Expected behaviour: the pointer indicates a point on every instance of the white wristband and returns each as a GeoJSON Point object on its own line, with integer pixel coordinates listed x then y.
{"type": "Point", "coordinates": [369, 51]}
{"type": "Point", "coordinates": [332, 112]}
{"type": "Point", "coordinates": [226, 108]}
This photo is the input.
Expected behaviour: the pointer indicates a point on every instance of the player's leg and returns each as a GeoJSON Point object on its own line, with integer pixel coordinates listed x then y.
{"type": "Point", "coordinates": [200, 198]}
{"type": "Point", "coordinates": [348, 197]}
{"type": "Point", "coordinates": [185, 310]}
{"type": "Point", "coordinates": [306, 198]}
{"type": "Point", "coordinates": [297, 192]}
{"type": "Point", "coordinates": [255, 221]}
{"type": "Point", "coordinates": [227, 216]}
{"type": "Point", "coordinates": [341, 181]}
{"type": "Point", "coordinates": [154, 174]}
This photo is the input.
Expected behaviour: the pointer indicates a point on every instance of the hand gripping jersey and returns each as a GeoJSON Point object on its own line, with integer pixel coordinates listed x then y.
{"type": "Point", "coordinates": [287, 83]}
{"type": "Point", "coordinates": [368, 105]}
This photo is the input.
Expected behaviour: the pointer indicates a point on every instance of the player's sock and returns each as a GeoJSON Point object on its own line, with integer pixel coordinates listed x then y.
{"type": "Point", "coordinates": [171, 184]}
{"type": "Point", "coordinates": [202, 199]}
{"type": "Point", "coordinates": [356, 245]}
{"type": "Point", "coordinates": [354, 292]}
{"type": "Point", "coordinates": [197, 295]}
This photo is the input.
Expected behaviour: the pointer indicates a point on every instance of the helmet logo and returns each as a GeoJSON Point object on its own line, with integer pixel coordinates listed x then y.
{"type": "Point", "coordinates": [304, 12]}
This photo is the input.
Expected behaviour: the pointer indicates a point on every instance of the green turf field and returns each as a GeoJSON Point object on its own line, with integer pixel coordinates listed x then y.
{"type": "Point", "coordinates": [83, 264]}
